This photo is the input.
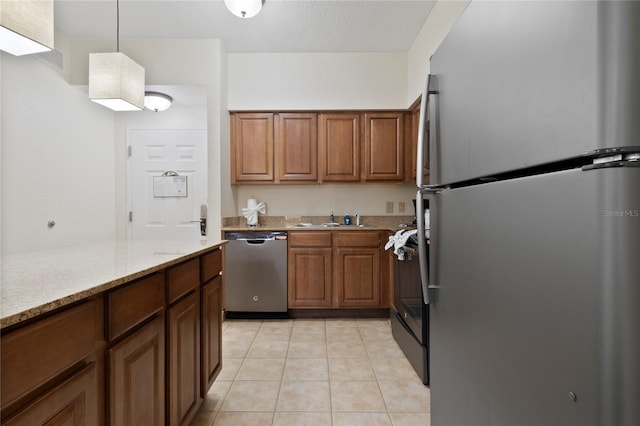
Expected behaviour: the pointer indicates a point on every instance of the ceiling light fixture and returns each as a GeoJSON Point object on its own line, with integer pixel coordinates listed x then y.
{"type": "Point", "coordinates": [26, 26]}
{"type": "Point", "coordinates": [244, 8]}
{"type": "Point", "coordinates": [115, 80]}
{"type": "Point", "coordinates": [156, 101]}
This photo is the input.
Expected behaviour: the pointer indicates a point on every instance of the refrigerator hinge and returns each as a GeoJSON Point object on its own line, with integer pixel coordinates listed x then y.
{"type": "Point", "coordinates": [130, 216]}
{"type": "Point", "coordinates": [631, 159]}
{"type": "Point", "coordinates": [432, 189]}
{"type": "Point", "coordinates": [129, 150]}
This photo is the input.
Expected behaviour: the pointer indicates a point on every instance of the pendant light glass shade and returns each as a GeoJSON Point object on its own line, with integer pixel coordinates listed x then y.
{"type": "Point", "coordinates": [244, 8]}
{"type": "Point", "coordinates": [156, 101]}
{"type": "Point", "coordinates": [116, 81]}
{"type": "Point", "coordinates": [26, 26]}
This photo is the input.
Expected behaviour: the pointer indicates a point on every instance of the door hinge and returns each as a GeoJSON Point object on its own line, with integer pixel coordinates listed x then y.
{"type": "Point", "coordinates": [130, 216]}
{"type": "Point", "coordinates": [129, 150]}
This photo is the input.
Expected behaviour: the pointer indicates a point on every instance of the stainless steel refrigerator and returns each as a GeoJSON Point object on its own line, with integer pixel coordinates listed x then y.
{"type": "Point", "coordinates": [533, 280]}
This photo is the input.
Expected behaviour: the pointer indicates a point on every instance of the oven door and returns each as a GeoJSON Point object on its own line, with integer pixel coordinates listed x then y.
{"type": "Point", "coordinates": [408, 298]}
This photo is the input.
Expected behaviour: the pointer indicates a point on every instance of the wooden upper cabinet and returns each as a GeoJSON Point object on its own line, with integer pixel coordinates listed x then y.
{"type": "Point", "coordinates": [326, 146]}
{"type": "Point", "coordinates": [383, 146]}
{"type": "Point", "coordinates": [296, 136]}
{"type": "Point", "coordinates": [252, 147]}
{"type": "Point", "coordinates": [339, 141]}
{"type": "Point", "coordinates": [413, 124]}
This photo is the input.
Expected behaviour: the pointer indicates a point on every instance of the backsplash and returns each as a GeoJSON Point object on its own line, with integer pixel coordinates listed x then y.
{"type": "Point", "coordinates": [387, 221]}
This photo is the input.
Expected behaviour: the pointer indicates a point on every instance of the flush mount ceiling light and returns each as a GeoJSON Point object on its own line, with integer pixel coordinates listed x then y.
{"type": "Point", "coordinates": [115, 80]}
{"type": "Point", "coordinates": [156, 101]}
{"type": "Point", "coordinates": [26, 26]}
{"type": "Point", "coordinates": [244, 8]}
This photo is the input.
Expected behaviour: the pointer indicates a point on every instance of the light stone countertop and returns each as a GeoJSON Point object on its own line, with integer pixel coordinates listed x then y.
{"type": "Point", "coordinates": [37, 282]}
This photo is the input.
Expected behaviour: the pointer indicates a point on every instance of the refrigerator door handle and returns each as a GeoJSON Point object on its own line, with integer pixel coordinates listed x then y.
{"type": "Point", "coordinates": [427, 267]}
{"type": "Point", "coordinates": [422, 128]}
{"type": "Point", "coordinates": [434, 136]}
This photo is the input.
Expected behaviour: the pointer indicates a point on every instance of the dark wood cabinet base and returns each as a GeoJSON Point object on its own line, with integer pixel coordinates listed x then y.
{"type": "Point", "coordinates": [339, 313]}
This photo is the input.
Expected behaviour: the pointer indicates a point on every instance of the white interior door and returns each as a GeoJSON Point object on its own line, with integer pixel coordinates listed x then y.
{"type": "Point", "coordinates": [166, 208]}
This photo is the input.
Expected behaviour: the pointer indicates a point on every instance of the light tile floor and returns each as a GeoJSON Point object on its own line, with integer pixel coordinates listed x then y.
{"type": "Point", "coordinates": [332, 372]}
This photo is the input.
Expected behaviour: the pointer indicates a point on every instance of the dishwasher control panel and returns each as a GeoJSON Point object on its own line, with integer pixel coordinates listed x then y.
{"type": "Point", "coordinates": [255, 235]}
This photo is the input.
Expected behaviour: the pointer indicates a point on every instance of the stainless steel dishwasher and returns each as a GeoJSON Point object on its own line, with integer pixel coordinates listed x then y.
{"type": "Point", "coordinates": [255, 270]}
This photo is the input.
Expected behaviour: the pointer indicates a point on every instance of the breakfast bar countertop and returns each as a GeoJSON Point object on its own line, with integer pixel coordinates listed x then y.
{"type": "Point", "coordinates": [36, 282]}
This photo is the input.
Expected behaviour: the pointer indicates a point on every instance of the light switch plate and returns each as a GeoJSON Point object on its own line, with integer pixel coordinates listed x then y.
{"type": "Point", "coordinates": [400, 206]}
{"type": "Point", "coordinates": [389, 206]}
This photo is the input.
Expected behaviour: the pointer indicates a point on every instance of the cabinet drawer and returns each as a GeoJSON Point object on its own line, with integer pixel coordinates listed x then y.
{"type": "Point", "coordinates": [211, 264]}
{"type": "Point", "coordinates": [74, 402]}
{"type": "Point", "coordinates": [37, 353]}
{"type": "Point", "coordinates": [310, 239]}
{"type": "Point", "coordinates": [182, 279]}
{"type": "Point", "coordinates": [131, 305]}
{"type": "Point", "coordinates": [357, 239]}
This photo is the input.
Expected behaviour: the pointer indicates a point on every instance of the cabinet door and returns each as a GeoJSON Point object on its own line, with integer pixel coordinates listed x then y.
{"type": "Point", "coordinates": [49, 348]}
{"type": "Point", "coordinates": [309, 277]}
{"type": "Point", "coordinates": [252, 147]}
{"type": "Point", "coordinates": [211, 332]}
{"type": "Point", "coordinates": [74, 402]}
{"type": "Point", "coordinates": [297, 145]}
{"type": "Point", "coordinates": [383, 146]}
{"type": "Point", "coordinates": [413, 138]}
{"type": "Point", "coordinates": [136, 377]}
{"type": "Point", "coordinates": [357, 277]}
{"type": "Point", "coordinates": [415, 127]}
{"type": "Point", "coordinates": [339, 142]}
{"type": "Point", "coordinates": [184, 359]}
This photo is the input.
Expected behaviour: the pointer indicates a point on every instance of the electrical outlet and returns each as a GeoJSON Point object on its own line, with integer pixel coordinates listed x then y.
{"type": "Point", "coordinates": [400, 206]}
{"type": "Point", "coordinates": [389, 206]}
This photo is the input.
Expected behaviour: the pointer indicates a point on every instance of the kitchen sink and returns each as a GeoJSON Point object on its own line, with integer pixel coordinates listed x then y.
{"type": "Point", "coordinates": [328, 225]}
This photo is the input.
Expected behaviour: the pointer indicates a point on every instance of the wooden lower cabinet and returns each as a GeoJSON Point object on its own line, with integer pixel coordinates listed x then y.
{"type": "Point", "coordinates": [309, 277]}
{"type": "Point", "coordinates": [357, 277]}
{"type": "Point", "coordinates": [128, 356]}
{"type": "Point", "coordinates": [211, 332]}
{"type": "Point", "coordinates": [183, 323]}
{"type": "Point", "coordinates": [71, 403]}
{"type": "Point", "coordinates": [336, 270]}
{"type": "Point", "coordinates": [136, 377]}
{"type": "Point", "coordinates": [52, 368]}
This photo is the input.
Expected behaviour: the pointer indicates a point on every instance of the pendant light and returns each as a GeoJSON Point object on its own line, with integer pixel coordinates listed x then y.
{"type": "Point", "coordinates": [26, 26]}
{"type": "Point", "coordinates": [115, 80]}
{"type": "Point", "coordinates": [156, 101]}
{"type": "Point", "coordinates": [244, 8]}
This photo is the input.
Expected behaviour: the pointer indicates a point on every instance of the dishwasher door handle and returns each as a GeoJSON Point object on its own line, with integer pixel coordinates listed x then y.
{"type": "Point", "coordinates": [256, 241]}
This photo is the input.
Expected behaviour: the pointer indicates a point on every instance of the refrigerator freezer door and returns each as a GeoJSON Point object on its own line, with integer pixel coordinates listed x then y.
{"type": "Point", "coordinates": [526, 83]}
{"type": "Point", "coordinates": [536, 319]}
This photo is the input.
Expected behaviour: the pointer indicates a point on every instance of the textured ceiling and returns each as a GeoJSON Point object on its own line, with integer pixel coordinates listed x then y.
{"type": "Point", "coordinates": [281, 26]}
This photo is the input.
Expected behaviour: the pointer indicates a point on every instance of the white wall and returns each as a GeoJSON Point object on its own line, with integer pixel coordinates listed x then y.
{"type": "Point", "coordinates": [317, 80]}
{"type": "Point", "coordinates": [442, 17]}
{"type": "Point", "coordinates": [321, 200]}
{"type": "Point", "coordinates": [57, 160]}
{"type": "Point", "coordinates": [298, 81]}
{"type": "Point", "coordinates": [62, 157]}
{"type": "Point", "coordinates": [171, 62]}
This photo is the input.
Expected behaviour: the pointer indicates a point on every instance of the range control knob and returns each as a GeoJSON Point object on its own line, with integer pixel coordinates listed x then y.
{"type": "Point", "coordinates": [255, 298]}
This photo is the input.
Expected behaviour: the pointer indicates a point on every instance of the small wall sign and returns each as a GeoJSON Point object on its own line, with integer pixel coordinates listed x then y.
{"type": "Point", "coordinates": [169, 186]}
